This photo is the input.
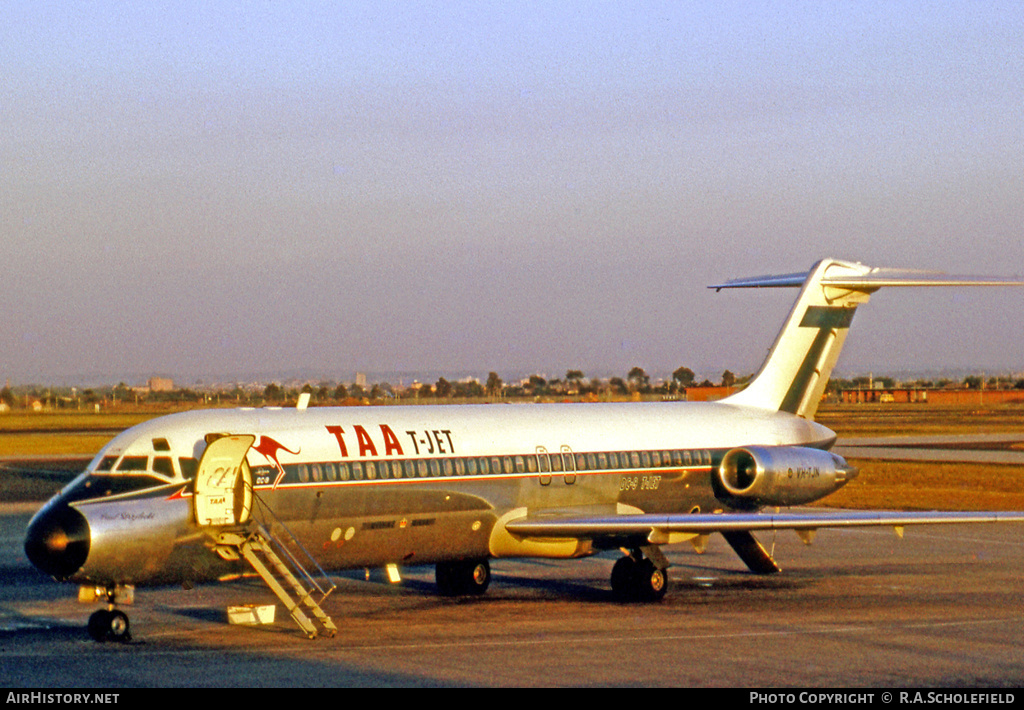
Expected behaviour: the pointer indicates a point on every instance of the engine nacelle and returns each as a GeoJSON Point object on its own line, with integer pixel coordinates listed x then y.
{"type": "Point", "coordinates": [781, 475]}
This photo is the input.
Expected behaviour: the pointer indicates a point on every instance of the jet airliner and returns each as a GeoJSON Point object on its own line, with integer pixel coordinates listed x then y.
{"type": "Point", "coordinates": [206, 495]}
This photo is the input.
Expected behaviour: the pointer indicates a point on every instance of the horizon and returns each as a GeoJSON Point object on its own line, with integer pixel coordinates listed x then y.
{"type": "Point", "coordinates": [405, 380]}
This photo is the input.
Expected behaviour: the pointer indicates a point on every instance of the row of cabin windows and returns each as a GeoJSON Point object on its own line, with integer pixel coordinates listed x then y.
{"type": "Point", "coordinates": [567, 463]}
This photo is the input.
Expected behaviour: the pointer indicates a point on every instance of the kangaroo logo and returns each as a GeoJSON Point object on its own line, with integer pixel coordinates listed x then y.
{"type": "Point", "coordinates": [269, 448]}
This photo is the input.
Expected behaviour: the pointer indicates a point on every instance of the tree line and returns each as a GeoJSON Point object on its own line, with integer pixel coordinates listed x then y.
{"type": "Point", "coordinates": [574, 384]}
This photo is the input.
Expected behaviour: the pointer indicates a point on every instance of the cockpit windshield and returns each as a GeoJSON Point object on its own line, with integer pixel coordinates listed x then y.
{"type": "Point", "coordinates": [114, 474]}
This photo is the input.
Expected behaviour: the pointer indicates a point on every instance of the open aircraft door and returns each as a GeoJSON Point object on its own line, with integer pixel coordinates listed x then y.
{"type": "Point", "coordinates": [223, 494]}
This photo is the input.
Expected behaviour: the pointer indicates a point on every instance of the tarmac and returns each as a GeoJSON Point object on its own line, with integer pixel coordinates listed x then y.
{"type": "Point", "coordinates": [943, 607]}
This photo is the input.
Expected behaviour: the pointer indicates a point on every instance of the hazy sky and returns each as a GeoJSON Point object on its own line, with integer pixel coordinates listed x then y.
{"type": "Point", "coordinates": [216, 189]}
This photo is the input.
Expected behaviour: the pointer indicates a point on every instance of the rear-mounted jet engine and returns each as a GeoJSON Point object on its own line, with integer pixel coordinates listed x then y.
{"type": "Point", "coordinates": [755, 476]}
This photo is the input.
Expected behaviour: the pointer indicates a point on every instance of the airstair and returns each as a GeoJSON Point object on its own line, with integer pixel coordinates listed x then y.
{"type": "Point", "coordinates": [293, 585]}
{"type": "Point", "coordinates": [239, 522]}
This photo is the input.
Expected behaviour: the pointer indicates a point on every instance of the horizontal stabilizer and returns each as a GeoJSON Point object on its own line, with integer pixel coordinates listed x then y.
{"type": "Point", "coordinates": [870, 281]}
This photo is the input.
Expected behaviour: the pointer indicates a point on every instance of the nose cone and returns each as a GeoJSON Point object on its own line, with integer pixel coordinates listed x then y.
{"type": "Point", "coordinates": [57, 540]}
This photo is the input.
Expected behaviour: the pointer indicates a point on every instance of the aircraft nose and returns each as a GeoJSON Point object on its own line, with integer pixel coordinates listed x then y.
{"type": "Point", "coordinates": [57, 541]}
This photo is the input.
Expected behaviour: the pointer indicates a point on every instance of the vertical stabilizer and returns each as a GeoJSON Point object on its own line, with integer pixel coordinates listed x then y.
{"type": "Point", "coordinates": [795, 375]}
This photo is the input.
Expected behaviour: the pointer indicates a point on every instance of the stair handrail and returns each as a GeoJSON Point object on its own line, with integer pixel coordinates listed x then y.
{"type": "Point", "coordinates": [266, 511]}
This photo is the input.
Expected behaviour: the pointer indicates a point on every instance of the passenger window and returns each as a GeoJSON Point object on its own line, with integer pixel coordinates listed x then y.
{"type": "Point", "coordinates": [421, 468]}
{"type": "Point", "coordinates": [357, 470]}
{"type": "Point", "coordinates": [520, 464]}
{"type": "Point", "coordinates": [304, 473]}
{"type": "Point", "coordinates": [531, 463]}
{"type": "Point", "coordinates": [542, 460]}
{"type": "Point", "coordinates": [331, 471]}
{"type": "Point", "coordinates": [556, 462]}
{"type": "Point", "coordinates": [460, 467]}
{"type": "Point", "coordinates": [471, 467]}
{"type": "Point", "coordinates": [371, 470]}
{"type": "Point", "coordinates": [344, 472]}
{"type": "Point", "coordinates": [602, 461]}
{"type": "Point", "coordinates": [446, 467]}
{"type": "Point", "coordinates": [317, 472]}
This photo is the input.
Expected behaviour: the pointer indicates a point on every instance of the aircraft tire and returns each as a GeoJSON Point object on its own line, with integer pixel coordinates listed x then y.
{"type": "Point", "coordinates": [99, 622]}
{"type": "Point", "coordinates": [623, 578]}
{"type": "Point", "coordinates": [109, 625]}
{"type": "Point", "coordinates": [119, 629]}
{"type": "Point", "coordinates": [651, 581]}
{"type": "Point", "coordinates": [638, 580]}
{"type": "Point", "coordinates": [463, 577]}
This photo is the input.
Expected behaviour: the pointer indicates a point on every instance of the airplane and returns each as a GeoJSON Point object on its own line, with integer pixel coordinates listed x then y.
{"type": "Point", "coordinates": [215, 494]}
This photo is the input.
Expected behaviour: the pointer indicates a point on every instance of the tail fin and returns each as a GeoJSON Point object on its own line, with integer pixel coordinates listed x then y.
{"type": "Point", "coordinates": [794, 376]}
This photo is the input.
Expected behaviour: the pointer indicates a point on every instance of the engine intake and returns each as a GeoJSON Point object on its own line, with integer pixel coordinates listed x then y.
{"type": "Point", "coordinates": [781, 475]}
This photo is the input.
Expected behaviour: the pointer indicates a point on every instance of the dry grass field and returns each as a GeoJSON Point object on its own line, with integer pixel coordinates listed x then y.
{"type": "Point", "coordinates": [903, 485]}
{"type": "Point", "coordinates": [888, 485]}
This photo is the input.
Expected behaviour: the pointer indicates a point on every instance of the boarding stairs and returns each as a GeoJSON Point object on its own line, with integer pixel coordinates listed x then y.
{"type": "Point", "coordinates": [283, 573]}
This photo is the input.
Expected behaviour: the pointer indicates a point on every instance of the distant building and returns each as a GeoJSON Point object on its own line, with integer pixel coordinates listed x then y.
{"type": "Point", "coordinates": [920, 395]}
{"type": "Point", "coordinates": [708, 394]}
{"type": "Point", "coordinates": [161, 384]}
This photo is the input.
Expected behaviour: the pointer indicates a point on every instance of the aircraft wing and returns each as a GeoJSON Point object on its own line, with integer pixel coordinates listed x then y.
{"type": "Point", "coordinates": [737, 528]}
{"type": "Point", "coordinates": [651, 525]}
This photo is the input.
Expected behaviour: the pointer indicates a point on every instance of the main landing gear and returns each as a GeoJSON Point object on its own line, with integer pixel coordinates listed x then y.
{"type": "Point", "coordinates": [109, 625]}
{"type": "Point", "coordinates": [639, 578]}
{"type": "Point", "coordinates": [463, 577]}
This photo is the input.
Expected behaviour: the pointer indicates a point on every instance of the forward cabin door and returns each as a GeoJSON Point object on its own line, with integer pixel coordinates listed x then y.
{"type": "Point", "coordinates": [223, 492]}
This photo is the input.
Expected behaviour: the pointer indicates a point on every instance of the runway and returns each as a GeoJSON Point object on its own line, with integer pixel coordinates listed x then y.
{"type": "Point", "coordinates": [942, 607]}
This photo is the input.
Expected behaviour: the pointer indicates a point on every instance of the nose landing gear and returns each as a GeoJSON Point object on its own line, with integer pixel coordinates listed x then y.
{"type": "Point", "coordinates": [110, 625]}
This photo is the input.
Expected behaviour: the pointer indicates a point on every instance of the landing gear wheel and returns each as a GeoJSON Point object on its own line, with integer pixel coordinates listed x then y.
{"type": "Point", "coordinates": [651, 582]}
{"type": "Point", "coordinates": [638, 580]}
{"type": "Point", "coordinates": [109, 625]}
{"type": "Point", "coordinates": [623, 574]}
{"type": "Point", "coordinates": [463, 577]}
